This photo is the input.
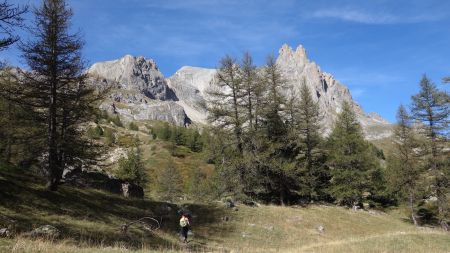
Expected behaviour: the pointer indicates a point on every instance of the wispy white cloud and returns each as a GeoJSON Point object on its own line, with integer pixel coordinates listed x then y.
{"type": "Point", "coordinates": [380, 17]}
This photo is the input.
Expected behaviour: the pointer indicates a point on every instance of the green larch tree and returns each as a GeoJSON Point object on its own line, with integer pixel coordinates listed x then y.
{"type": "Point", "coordinates": [55, 87]}
{"type": "Point", "coordinates": [313, 173]}
{"type": "Point", "coordinates": [350, 159]}
{"type": "Point", "coordinates": [431, 107]}
{"type": "Point", "coordinates": [405, 166]}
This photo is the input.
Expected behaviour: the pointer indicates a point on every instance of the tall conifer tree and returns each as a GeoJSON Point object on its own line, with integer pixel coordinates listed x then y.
{"type": "Point", "coordinates": [311, 158]}
{"type": "Point", "coordinates": [431, 108]}
{"type": "Point", "coordinates": [404, 165]}
{"type": "Point", "coordinates": [350, 159]}
{"type": "Point", "coordinates": [56, 87]}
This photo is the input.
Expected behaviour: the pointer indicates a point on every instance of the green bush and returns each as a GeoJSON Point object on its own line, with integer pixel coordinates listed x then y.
{"type": "Point", "coordinates": [128, 141]}
{"type": "Point", "coordinates": [131, 169]}
{"type": "Point", "coordinates": [116, 120]}
{"type": "Point", "coordinates": [95, 132]}
{"type": "Point", "coordinates": [194, 140]}
{"type": "Point", "coordinates": [165, 132]}
{"type": "Point", "coordinates": [133, 126]}
{"type": "Point", "coordinates": [179, 151]}
{"type": "Point", "coordinates": [110, 138]}
{"type": "Point", "coordinates": [178, 135]}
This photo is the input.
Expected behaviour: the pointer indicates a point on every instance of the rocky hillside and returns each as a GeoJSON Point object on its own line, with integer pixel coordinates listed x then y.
{"type": "Point", "coordinates": [329, 92]}
{"type": "Point", "coordinates": [141, 92]}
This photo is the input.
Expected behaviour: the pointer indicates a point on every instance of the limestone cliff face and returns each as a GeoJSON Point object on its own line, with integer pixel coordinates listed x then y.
{"type": "Point", "coordinates": [135, 74]}
{"type": "Point", "coordinates": [141, 91]}
{"type": "Point", "coordinates": [190, 85]}
{"type": "Point", "coordinates": [330, 93]}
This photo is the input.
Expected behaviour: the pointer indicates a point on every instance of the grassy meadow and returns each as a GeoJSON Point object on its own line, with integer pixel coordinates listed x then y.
{"type": "Point", "coordinates": [90, 221]}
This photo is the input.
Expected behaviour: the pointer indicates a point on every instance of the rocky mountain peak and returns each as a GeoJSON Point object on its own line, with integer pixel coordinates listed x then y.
{"type": "Point", "coordinates": [130, 62]}
{"type": "Point", "coordinates": [144, 93]}
{"type": "Point", "coordinates": [135, 74]}
{"type": "Point", "coordinates": [290, 59]}
{"type": "Point", "coordinates": [327, 91]}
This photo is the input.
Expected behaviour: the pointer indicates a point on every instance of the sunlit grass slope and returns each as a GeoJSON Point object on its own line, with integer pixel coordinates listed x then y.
{"type": "Point", "coordinates": [90, 222]}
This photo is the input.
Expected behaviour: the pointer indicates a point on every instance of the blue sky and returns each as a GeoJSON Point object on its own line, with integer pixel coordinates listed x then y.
{"type": "Point", "coordinates": [378, 48]}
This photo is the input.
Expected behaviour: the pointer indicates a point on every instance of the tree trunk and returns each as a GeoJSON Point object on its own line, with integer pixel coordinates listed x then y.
{"type": "Point", "coordinates": [411, 207]}
{"type": "Point", "coordinates": [250, 109]}
{"type": "Point", "coordinates": [53, 168]}
{"type": "Point", "coordinates": [237, 131]}
{"type": "Point", "coordinates": [441, 201]}
{"type": "Point", "coordinates": [9, 134]}
{"type": "Point", "coordinates": [440, 192]}
{"type": "Point", "coordinates": [282, 195]}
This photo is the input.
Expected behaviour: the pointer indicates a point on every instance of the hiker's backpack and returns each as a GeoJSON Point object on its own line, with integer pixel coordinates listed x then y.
{"type": "Point", "coordinates": [183, 222]}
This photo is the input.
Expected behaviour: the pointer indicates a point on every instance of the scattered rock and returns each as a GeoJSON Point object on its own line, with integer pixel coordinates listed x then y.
{"type": "Point", "coordinates": [269, 228]}
{"type": "Point", "coordinates": [321, 229]}
{"type": "Point", "coordinates": [132, 190]}
{"type": "Point", "coordinates": [245, 234]}
{"type": "Point", "coordinates": [46, 231]}
{"type": "Point", "coordinates": [236, 209]}
{"type": "Point", "coordinates": [366, 206]}
{"type": "Point", "coordinates": [431, 199]}
{"type": "Point", "coordinates": [225, 218]}
{"type": "Point", "coordinates": [252, 224]}
{"type": "Point", "coordinates": [229, 203]}
{"type": "Point", "coordinates": [4, 232]}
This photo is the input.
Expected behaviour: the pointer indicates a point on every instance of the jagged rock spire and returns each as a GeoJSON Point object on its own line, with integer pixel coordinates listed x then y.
{"type": "Point", "coordinates": [185, 89]}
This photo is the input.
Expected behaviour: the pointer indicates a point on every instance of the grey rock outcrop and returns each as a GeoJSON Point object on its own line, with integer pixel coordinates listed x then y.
{"type": "Point", "coordinates": [141, 92]}
{"type": "Point", "coordinates": [155, 110]}
{"type": "Point", "coordinates": [5, 232]}
{"type": "Point", "coordinates": [135, 74]}
{"type": "Point", "coordinates": [190, 85]}
{"type": "Point", "coordinates": [46, 232]}
{"type": "Point", "coordinates": [132, 190]}
{"type": "Point", "coordinates": [327, 91]}
{"type": "Point", "coordinates": [138, 90]}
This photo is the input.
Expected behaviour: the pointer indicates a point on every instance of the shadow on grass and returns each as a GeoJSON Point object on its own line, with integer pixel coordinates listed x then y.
{"type": "Point", "coordinates": [93, 218]}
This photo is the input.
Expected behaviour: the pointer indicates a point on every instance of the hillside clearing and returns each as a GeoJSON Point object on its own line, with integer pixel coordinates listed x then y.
{"type": "Point", "coordinates": [90, 220]}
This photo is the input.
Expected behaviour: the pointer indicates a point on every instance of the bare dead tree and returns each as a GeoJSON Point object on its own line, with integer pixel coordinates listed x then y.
{"type": "Point", "coordinates": [148, 223]}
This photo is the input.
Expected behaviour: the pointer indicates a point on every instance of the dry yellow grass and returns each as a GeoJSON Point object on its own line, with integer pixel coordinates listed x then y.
{"type": "Point", "coordinates": [280, 229]}
{"type": "Point", "coordinates": [90, 220]}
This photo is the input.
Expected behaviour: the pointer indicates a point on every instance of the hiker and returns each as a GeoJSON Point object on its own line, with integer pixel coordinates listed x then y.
{"type": "Point", "coordinates": [184, 224]}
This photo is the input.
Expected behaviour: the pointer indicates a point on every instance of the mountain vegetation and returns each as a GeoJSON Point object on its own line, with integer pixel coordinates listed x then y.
{"type": "Point", "coordinates": [268, 163]}
{"type": "Point", "coordinates": [278, 153]}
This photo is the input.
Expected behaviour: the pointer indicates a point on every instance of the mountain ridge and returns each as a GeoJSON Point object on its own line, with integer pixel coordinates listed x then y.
{"type": "Point", "coordinates": [145, 93]}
